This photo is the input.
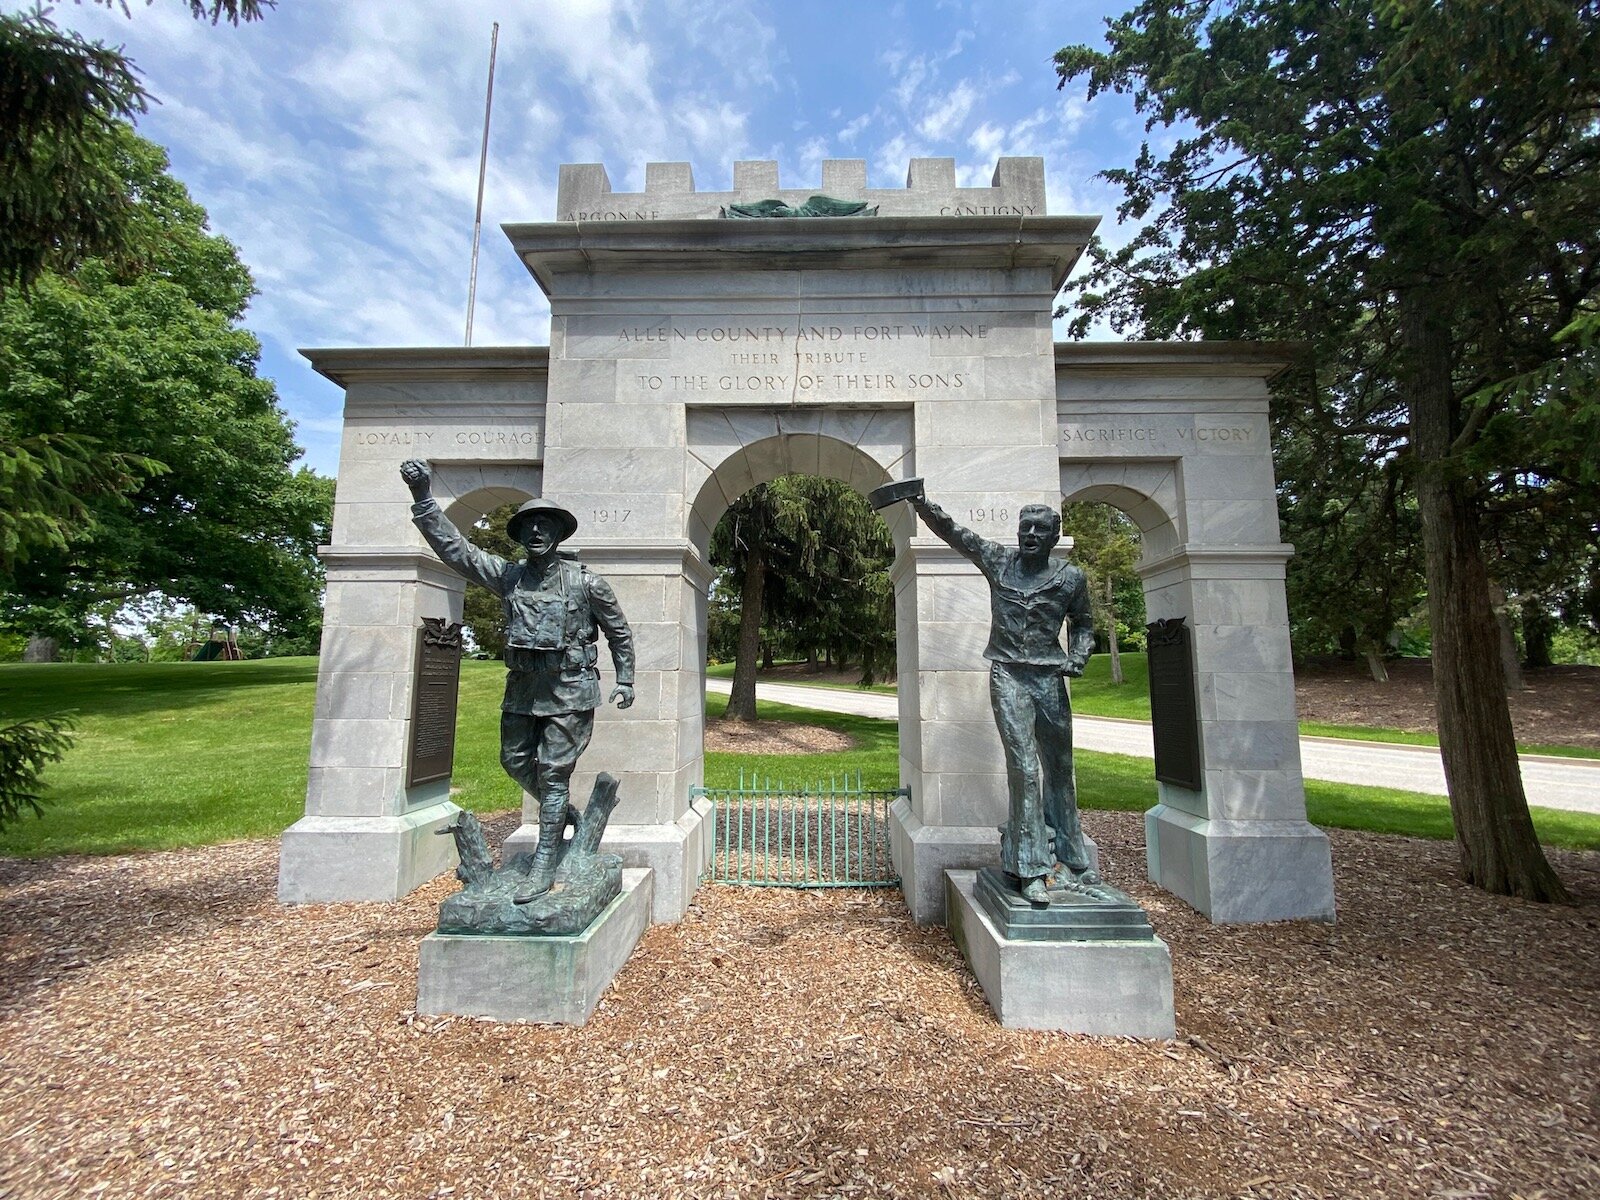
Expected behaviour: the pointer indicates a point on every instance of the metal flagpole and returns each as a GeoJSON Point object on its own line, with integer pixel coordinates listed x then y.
{"type": "Point", "coordinates": [483, 164]}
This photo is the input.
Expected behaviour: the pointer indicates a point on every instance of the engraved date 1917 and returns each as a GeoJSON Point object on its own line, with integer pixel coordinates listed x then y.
{"type": "Point", "coordinates": [609, 516]}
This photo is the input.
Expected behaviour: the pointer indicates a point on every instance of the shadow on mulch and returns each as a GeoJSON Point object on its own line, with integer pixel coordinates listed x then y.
{"type": "Point", "coordinates": [63, 915]}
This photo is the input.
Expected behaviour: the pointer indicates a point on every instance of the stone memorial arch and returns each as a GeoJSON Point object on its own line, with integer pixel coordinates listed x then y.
{"type": "Point", "coordinates": [693, 356]}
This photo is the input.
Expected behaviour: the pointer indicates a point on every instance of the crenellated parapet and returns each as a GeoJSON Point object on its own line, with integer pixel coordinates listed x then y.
{"type": "Point", "coordinates": [1016, 190]}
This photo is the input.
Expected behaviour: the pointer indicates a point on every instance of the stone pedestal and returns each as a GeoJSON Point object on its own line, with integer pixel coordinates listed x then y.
{"type": "Point", "coordinates": [1238, 872]}
{"type": "Point", "coordinates": [1107, 987]}
{"type": "Point", "coordinates": [327, 859]}
{"type": "Point", "coordinates": [550, 980]}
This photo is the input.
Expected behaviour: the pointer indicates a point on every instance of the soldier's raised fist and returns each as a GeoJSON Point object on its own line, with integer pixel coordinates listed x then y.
{"type": "Point", "coordinates": [417, 477]}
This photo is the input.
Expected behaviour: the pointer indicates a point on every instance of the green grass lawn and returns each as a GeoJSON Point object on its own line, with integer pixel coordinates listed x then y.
{"type": "Point", "coordinates": [1405, 737]}
{"type": "Point", "coordinates": [1125, 783]}
{"type": "Point", "coordinates": [185, 754]}
{"type": "Point", "coordinates": [876, 754]}
{"type": "Point", "coordinates": [167, 753]}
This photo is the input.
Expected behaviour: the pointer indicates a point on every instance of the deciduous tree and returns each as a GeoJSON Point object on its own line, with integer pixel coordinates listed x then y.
{"type": "Point", "coordinates": [808, 559]}
{"type": "Point", "coordinates": [143, 359]}
{"type": "Point", "coordinates": [1105, 543]}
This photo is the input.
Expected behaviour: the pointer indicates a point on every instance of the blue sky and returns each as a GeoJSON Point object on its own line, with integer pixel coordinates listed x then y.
{"type": "Point", "coordinates": [336, 143]}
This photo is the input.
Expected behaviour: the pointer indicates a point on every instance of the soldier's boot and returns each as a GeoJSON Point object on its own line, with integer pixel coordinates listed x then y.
{"type": "Point", "coordinates": [547, 854]}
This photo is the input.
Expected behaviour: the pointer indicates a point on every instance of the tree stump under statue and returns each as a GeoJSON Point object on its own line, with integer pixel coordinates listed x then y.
{"type": "Point", "coordinates": [548, 959]}
{"type": "Point", "coordinates": [585, 882]}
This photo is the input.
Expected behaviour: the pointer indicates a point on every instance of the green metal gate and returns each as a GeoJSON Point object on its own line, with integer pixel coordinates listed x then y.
{"type": "Point", "coordinates": [817, 835]}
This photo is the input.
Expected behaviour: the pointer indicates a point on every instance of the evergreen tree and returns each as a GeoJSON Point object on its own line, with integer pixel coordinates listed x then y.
{"type": "Point", "coordinates": [1410, 186]}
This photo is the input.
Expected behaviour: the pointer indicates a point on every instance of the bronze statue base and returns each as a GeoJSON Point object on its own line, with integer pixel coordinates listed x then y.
{"type": "Point", "coordinates": [1077, 912]}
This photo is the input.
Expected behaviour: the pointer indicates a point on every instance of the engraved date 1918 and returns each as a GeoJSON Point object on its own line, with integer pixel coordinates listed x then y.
{"type": "Point", "coordinates": [992, 515]}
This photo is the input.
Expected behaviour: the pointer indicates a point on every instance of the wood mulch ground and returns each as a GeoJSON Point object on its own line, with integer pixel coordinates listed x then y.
{"type": "Point", "coordinates": [168, 1030]}
{"type": "Point", "coordinates": [773, 737]}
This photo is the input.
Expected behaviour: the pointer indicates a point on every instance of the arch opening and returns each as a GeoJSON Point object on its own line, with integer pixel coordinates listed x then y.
{"type": "Point", "coordinates": [467, 492]}
{"type": "Point", "coordinates": [1151, 504]}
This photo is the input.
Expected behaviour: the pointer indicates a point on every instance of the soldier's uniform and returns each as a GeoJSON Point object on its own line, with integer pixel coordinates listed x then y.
{"type": "Point", "coordinates": [554, 615]}
{"type": "Point", "coordinates": [1029, 696]}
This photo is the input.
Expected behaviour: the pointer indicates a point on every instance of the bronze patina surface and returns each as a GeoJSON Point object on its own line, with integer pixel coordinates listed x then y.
{"type": "Point", "coordinates": [1032, 597]}
{"type": "Point", "coordinates": [555, 611]}
{"type": "Point", "coordinates": [816, 206]}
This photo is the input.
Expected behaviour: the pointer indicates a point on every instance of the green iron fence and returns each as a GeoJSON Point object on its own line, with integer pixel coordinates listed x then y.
{"type": "Point", "coordinates": [817, 835]}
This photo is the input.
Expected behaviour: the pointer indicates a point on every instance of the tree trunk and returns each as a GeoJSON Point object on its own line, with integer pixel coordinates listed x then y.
{"type": "Point", "coordinates": [742, 700]}
{"type": "Point", "coordinates": [40, 649]}
{"type": "Point", "coordinates": [812, 664]}
{"type": "Point", "coordinates": [1347, 642]}
{"type": "Point", "coordinates": [1538, 630]}
{"type": "Point", "coordinates": [1380, 673]}
{"type": "Point", "coordinates": [1510, 660]}
{"type": "Point", "coordinates": [1499, 851]}
{"type": "Point", "coordinates": [1111, 622]}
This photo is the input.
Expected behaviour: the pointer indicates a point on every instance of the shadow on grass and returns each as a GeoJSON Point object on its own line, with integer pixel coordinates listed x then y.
{"type": "Point", "coordinates": [125, 689]}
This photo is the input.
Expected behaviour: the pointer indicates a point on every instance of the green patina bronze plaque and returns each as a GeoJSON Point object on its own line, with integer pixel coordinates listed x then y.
{"type": "Point", "coordinates": [1174, 713]}
{"type": "Point", "coordinates": [434, 689]}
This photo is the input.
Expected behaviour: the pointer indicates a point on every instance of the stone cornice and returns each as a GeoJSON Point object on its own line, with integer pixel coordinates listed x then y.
{"type": "Point", "coordinates": [403, 563]}
{"type": "Point", "coordinates": [454, 364]}
{"type": "Point", "coordinates": [1259, 360]}
{"type": "Point", "coordinates": [556, 248]}
{"type": "Point", "coordinates": [678, 553]}
{"type": "Point", "coordinates": [1221, 562]}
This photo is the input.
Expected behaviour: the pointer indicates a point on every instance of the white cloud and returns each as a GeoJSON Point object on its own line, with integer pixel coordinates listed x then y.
{"type": "Point", "coordinates": [337, 144]}
{"type": "Point", "coordinates": [947, 115]}
{"type": "Point", "coordinates": [853, 130]}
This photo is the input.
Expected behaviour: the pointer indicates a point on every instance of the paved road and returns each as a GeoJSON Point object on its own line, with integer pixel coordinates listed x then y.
{"type": "Point", "coordinates": [1569, 783]}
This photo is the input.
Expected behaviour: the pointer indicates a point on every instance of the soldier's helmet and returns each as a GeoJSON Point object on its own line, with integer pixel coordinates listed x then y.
{"type": "Point", "coordinates": [568, 522]}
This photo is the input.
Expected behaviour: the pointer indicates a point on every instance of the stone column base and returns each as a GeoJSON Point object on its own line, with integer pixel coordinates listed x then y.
{"type": "Point", "coordinates": [1104, 988]}
{"type": "Point", "coordinates": [1241, 872]}
{"type": "Point", "coordinates": [678, 854]}
{"type": "Point", "coordinates": [554, 980]}
{"type": "Point", "coordinates": [923, 853]}
{"type": "Point", "coordinates": [328, 859]}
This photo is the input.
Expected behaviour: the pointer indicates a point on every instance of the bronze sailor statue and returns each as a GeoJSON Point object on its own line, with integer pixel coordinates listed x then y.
{"type": "Point", "coordinates": [1031, 597]}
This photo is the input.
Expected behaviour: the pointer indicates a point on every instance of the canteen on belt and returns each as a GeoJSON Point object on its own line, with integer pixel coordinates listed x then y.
{"type": "Point", "coordinates": [889, 493]}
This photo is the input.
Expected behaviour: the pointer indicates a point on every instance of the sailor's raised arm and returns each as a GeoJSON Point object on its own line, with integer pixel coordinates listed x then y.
{"type": "Point", "coordinates": [980, 550]}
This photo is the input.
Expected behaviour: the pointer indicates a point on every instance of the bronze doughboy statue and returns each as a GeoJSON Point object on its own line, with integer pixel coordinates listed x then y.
{"type": "Point", "coordinates": [555, 609]}
{"type": "Point", "coordinates": [1030, 597]}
